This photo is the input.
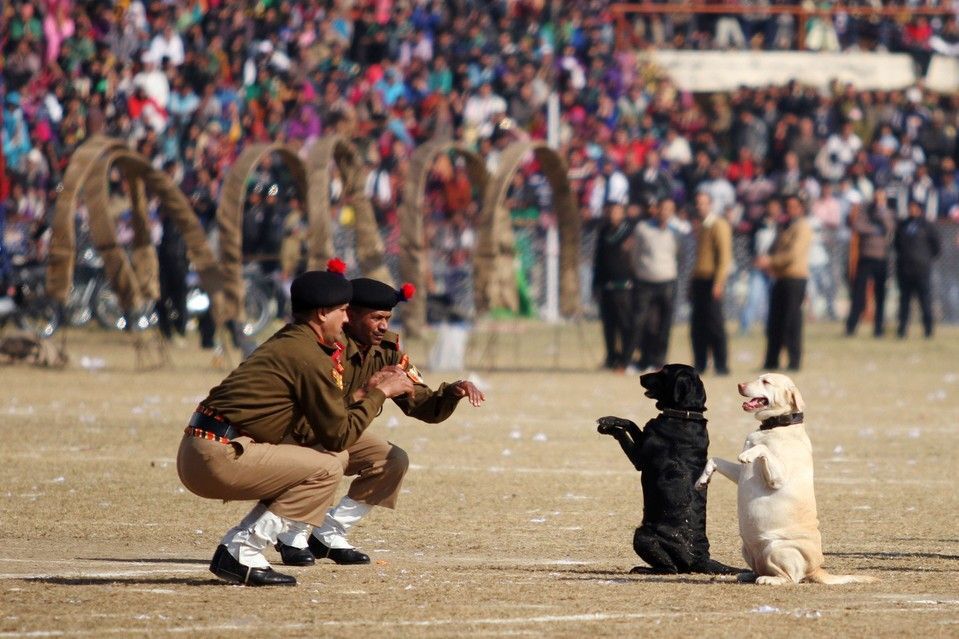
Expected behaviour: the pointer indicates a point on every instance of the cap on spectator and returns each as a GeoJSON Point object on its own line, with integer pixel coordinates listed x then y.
{"type": "Point", "coordinates": [377, 296]}
{"type": "Point", "coordinates": [321, 289]}
{"type": "Point", "coordinates": [13, 98]}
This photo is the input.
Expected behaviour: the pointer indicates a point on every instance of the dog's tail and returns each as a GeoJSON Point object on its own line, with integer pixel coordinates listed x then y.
{"type": "Point", "coordinates": [820, 576]}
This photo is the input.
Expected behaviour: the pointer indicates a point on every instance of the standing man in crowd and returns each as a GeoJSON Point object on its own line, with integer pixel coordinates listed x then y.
{"type": "Point", "coordinates": [272, 430]}
{"type": "Point", "coordinates": [714, 256]}
{"type": "Point", "coordinates": [372, 353]}
{"type": "Point", "coordinates": [917, 245]}
{"type": "Point", "coordinates": [874, 229]}
{"type": "Point", "coordinates": [655, 262]}
{"type": "Point", "coordinates": [756, 305]}
{"type": "Point", "coordinates": [613, 287]}
{"type": "Point", "coordinates": [788, 264]}
{"type": "Point", "coordinates": [173, 268]}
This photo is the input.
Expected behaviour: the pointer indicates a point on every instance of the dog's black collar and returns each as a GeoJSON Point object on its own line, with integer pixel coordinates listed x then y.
{"type": "Point", "coordinates": [683, 414]}
{"type": "Point", "coordinates": [781, 420]}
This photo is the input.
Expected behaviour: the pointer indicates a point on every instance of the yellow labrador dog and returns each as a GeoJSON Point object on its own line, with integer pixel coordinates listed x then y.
{"type": "Point", "coordinates": [777, 503]}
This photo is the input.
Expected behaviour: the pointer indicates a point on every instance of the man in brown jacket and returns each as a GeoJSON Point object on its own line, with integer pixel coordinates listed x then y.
{"type": "Point", "coordinates": [272, 429]}
{"type": "Point", "coordinates": [788, 264]}
{"type": "Point", "coordinates": [714, 256]}
{"type": "Point", "coordinates": [372, 353]}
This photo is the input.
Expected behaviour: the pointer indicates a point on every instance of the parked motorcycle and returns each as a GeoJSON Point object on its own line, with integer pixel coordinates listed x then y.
{"type": "Point", "coordinates": [91, 298]}
{"type": "Point", "coordinates": [25, 303]}
{"type": "Point", "coordinates": [260, 304]}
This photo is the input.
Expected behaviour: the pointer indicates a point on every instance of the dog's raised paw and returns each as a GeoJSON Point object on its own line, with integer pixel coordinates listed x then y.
{"type": "Point", "coordinates": [609, 424]}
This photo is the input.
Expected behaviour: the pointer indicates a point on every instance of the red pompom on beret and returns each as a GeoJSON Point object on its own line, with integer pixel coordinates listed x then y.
{"type": "Point", "coordinates": [336, 265]}
{"type": "Point", "coordinates": [377, 296]}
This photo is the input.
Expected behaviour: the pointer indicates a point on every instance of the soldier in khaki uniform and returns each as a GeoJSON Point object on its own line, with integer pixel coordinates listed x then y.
{"type": "Point", "coordinates": [788, 264]}
{"type": "Point", "coordinates": [372, 352]}
{"type": "Point", "coordinates": [714, 256]}
{"type": "Point", "coordinates": [271, 431]}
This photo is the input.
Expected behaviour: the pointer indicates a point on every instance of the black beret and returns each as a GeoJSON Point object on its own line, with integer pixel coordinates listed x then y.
{"type": "Point", "coordinates": [378, 296]}
{"type": "Point", "coordinates": [319, 289]}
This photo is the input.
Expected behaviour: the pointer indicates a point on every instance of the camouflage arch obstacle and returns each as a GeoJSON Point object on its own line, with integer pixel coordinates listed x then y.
{"type": "Point", "coordinates": [136, 280]}
{"type": "Point", "coordinates": [229, 220]}
{"type": "Point", "coordinates": [494, 265]}
{"type": "Point", "coordinates": [494, 282]}
{"type": "Point", "coordinates": [412, 234]}
{"type": "Point", "coordinates": [330, 150]}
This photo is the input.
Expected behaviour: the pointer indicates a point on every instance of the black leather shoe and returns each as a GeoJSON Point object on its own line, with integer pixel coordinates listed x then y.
{"type": "Point", "coordinates": [344, 556]}
{"type": "Point", "coordinates": [293, 556]}
{"type": "Point", "coordinates": [224, 566]}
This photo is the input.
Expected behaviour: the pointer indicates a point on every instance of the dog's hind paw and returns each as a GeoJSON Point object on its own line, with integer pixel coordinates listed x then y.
{"type": "Point", "coordinates": [766, 580]}
{"type": "Point", "coordinates": [609, 424]}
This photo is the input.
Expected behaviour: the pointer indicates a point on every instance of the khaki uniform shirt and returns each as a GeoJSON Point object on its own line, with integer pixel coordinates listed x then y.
{"type": "Point", "coordinates": [291, 387]}
{"type": "Point", "coordinates": [424, 404]}
{"type": "Point", "coordinates": [789, 256]}
{"type": "Point", "coordinates": [714, 250]}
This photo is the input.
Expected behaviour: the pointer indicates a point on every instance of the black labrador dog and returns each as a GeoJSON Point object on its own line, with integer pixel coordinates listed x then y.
{"type": "Point", "coordinates": [671, 453]}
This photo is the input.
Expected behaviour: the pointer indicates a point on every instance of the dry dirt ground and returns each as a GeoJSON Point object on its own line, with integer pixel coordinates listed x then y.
{"type": "Point", "coordinates": [516, 518]}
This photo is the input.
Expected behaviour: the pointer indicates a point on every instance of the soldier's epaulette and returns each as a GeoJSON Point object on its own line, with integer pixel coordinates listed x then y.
{"type": "Point", "coordinates": [390, 341]}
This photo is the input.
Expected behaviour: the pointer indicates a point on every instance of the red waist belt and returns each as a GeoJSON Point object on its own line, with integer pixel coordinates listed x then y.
{"type": "Point", "coordinates": [207, 424]}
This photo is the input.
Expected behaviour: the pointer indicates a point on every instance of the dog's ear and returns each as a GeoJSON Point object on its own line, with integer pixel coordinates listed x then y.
{"type": "Point", "coordinates": [681, 387]}
{"type": "Point", "coordinates": [795, 398]}
{"type": "Point", "coordinates": [688, 390]}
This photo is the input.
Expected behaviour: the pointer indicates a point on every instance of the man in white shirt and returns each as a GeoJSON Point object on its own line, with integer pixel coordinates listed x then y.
{"type": "Point", "coordinates": [720, 190]}
{"type": "Point", "coordinates": [611, 187]}
{"type": "Point", "coordinates": [677, 150]}
{"type": "Point", "coordinates": [655, 258]}
{"type": "Point", "coordinates": [154, 82]}
{"type": "Point", "coordinates": [481, 107]}
{"type": "Point", "coordinates": [167, 44]}
{"type": "Point", "coordinates": [839, 153]}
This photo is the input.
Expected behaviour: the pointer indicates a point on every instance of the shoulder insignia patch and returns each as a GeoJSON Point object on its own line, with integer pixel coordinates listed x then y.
{"type": "Point", "coordinates": [337, 372]}
{"type": "Point", "coordinates": [411, 370]}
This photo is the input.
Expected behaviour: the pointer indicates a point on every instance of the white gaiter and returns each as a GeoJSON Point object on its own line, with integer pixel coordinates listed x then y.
{"type": "Point", "coordinates": [338, 522]}
{"type": "Point", "coordinates": [294, 534]}
{"type": "Point", "coordinates": [247, 540]}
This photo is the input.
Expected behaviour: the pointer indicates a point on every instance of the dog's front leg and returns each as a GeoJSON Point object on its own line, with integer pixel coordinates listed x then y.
{"type": "Point", "coordinates": [773, 470]}
{"type": "Point", "coordinates": [725, 468]}
{"type": "Point", "coordinates": [629, 436]}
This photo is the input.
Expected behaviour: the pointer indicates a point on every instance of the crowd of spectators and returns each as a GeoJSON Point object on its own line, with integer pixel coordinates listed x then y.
{"type": "Point", "coordinates": [190, 82]}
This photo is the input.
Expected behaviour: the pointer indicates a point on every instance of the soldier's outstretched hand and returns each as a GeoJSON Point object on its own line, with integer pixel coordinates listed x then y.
{"type": "Point", "coordinates": [382, 374]}
{"type": "Point", "coordinates": [395, 383]}
{"type": "Point", "coordinates": [466, 389]}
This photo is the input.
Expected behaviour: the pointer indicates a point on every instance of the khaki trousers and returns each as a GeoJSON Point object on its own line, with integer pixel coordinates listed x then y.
{"type": "Point", "coordinates": [380, 467]}
{"type": "Point", "coordinates": [292, 481]}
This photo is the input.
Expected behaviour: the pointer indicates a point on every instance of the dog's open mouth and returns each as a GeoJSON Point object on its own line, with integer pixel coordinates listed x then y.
{"type": "Point", "coordinates": [755, 403]}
